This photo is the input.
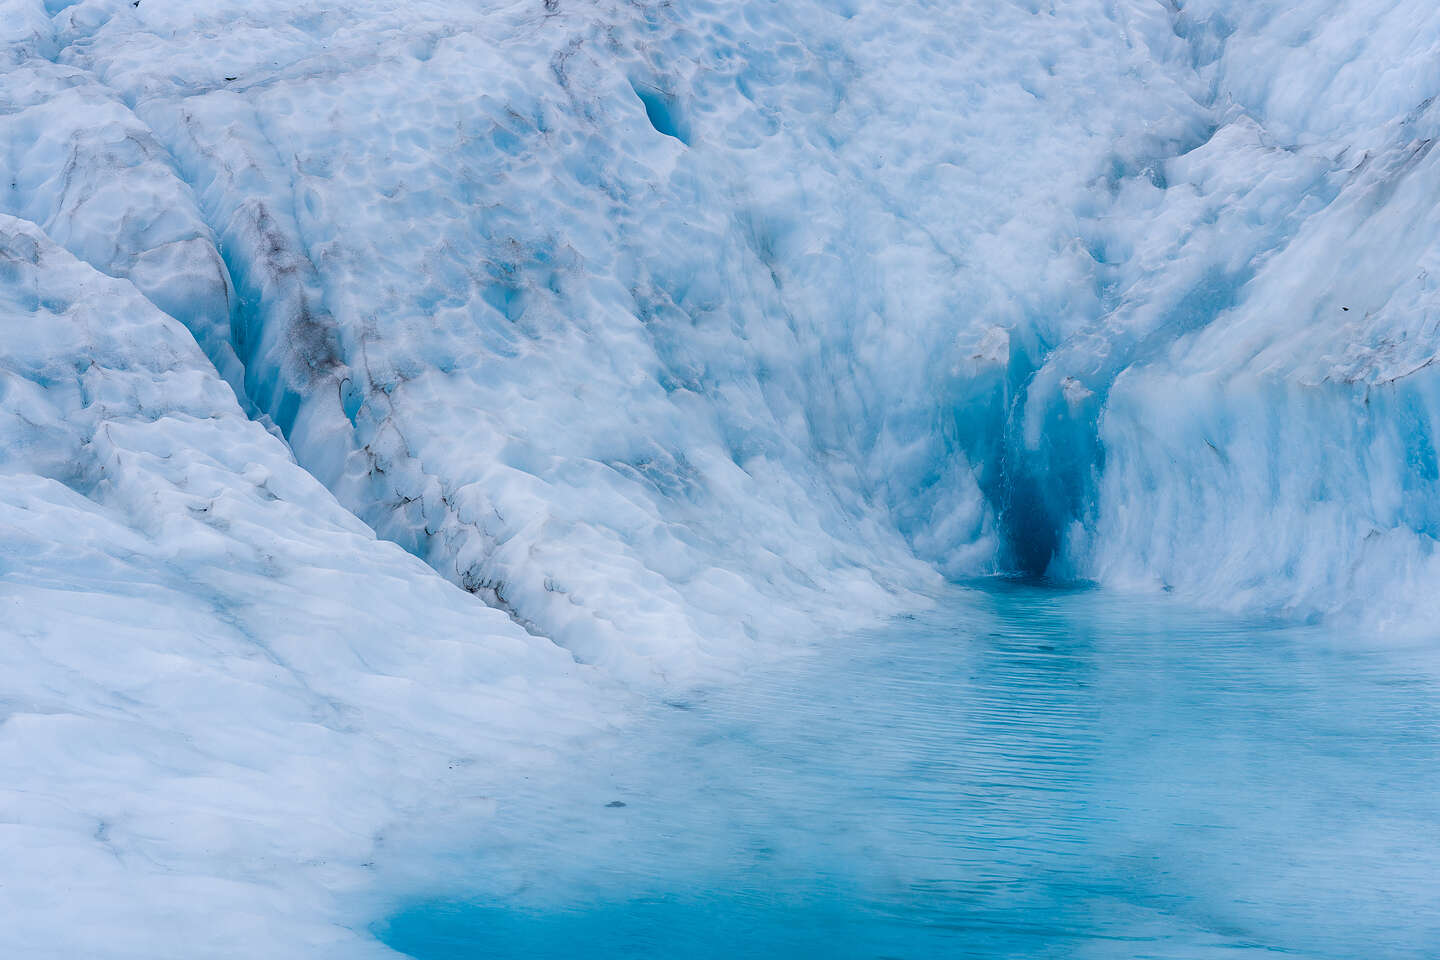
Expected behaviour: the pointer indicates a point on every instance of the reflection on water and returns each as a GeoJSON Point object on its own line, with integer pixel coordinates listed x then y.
{"type": "Point", "coordinates": [1026, 772]}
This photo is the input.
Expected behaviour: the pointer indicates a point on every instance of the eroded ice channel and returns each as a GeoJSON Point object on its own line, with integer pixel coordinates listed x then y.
{"type": "Point", "coordinates": [1023, 772]}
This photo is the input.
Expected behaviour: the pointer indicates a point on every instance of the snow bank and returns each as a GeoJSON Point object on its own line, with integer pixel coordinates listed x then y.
{"type": "Point", "coordinates": [218, 690]}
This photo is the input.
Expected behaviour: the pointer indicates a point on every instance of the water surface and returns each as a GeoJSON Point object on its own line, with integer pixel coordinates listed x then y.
{"type": "Point", "coordinates": [1024, 772]}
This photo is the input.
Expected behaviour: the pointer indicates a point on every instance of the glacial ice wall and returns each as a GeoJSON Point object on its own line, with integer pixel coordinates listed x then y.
{"type": "Point", "coordinates": [667, 326]}
{"type": "Point", "coordinates": [1282, 455]}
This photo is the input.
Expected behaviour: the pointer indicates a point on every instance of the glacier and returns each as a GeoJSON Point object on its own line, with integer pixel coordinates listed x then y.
{"type": "Point", "coordinates": [379, 374]}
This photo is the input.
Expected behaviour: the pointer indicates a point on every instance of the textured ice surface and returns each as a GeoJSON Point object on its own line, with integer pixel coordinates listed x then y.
{"type": "Point", "coordinates": [667, 326]}
{"type": "Point", "coordinates": [1281, 453]}
{"type": "Point", "coordinates": [670, 330]}
{"type": "Point", "coordinates": [208, 665]}
{"type": "Point", "coordinates": [625, 316]}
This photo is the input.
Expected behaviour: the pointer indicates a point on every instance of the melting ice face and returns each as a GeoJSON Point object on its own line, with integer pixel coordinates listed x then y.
{"type": "Point", "coordinates": [674, 331]}
{"type": "Point", "coordinates": [1024, 772]}
{"type": "Point", "coordinates": [665, 327]}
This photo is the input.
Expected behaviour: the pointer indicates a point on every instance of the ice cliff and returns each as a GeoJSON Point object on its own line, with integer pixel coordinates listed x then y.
{"type": "Point", "coordinates": [671, 330]}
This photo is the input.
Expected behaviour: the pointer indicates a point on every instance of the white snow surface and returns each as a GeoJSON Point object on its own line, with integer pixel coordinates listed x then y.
{"type": "Point", "coordinates": [209, 665]}
{"type": "Point", "coordinates": [673, 330]}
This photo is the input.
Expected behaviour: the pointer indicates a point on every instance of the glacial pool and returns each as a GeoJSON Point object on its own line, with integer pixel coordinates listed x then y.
{"type": "Point", "coordinates": [1022, 772]}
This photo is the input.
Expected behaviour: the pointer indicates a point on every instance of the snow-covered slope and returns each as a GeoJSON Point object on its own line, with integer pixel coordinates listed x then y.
{"type": "Point", "coordinates": [671, 330]}
{"type": "Point", "coordinates": [217, 687]}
